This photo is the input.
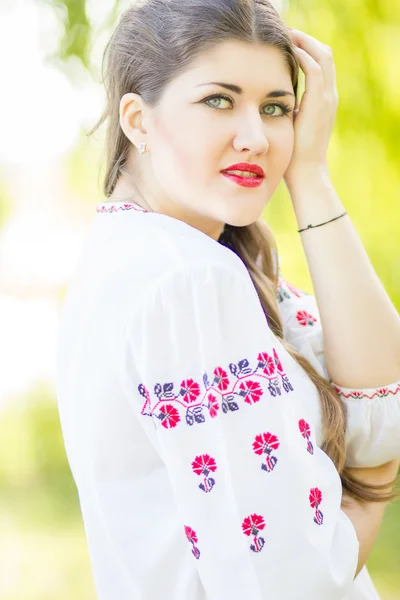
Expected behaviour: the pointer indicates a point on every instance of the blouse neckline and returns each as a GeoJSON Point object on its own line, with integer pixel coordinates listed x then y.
{"type": "Point", "coordinates": [121, 206]}
{"type": "Point", "coordinates": [113, 207]}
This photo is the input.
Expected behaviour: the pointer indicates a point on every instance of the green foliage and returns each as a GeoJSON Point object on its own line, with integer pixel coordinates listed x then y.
{"type": "Point", "coordinates": [31, 439]}
{"type": "Point", "coordinates": [43, 547]}
{"type": "Point", "coordinates": [83, 169]}
{"type": "Point", "coordinates": [77, 38]}
{"type": "Point", "coordinates": [363, 154]}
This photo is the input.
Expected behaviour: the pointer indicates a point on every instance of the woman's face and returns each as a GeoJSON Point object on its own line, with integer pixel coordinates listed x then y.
{"type": "Point", "coordinates": [191, 139]}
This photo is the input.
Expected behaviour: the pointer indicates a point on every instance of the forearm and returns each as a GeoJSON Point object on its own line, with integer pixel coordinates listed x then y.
{"type": "Point", "coordinates": [367, 517]}
{"type": "Point", "coordinates": [360, 324]}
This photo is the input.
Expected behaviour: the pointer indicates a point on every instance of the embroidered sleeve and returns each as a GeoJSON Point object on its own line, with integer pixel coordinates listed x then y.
{"type": "Point", "coordinates": [373, 424]}
{"type": "Point", "coordinates": [373, 415]}
{"type": "Point", "coordinates": [221, 401]}
{"type": "Point", "coordinates": [301, 323]}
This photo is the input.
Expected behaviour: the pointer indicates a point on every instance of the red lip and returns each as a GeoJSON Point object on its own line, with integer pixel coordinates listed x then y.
{"type": "Point", "coordinates": [246, 167]}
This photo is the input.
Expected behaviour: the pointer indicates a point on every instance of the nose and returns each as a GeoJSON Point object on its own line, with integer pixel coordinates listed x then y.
{"type": "Point", "coordinates": [252, 136]}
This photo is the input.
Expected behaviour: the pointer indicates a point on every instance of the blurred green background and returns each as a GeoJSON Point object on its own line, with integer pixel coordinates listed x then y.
{"type": "Point", "coordinates": [43, 551]}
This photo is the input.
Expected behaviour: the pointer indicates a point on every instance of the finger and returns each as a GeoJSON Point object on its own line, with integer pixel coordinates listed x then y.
{"type": "Point", "coordinates": [315, 83]}
{"type": "Point", "coordinates": [321, 53]}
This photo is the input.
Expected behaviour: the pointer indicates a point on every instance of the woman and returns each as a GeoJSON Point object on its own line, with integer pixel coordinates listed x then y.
{"type": "Point", "coordinates": [203, 412]}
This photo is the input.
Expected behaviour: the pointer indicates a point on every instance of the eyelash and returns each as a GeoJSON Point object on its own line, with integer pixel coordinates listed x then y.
{"type": "Point", "coordinates": [286, 109]}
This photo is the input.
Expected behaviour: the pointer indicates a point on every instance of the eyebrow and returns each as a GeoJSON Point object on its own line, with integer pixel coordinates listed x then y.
{"type": "Point", "coordinates": [239, 90]}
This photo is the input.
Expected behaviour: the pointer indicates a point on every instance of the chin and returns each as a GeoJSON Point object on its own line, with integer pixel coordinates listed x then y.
{"type": "Point", "coordinates": [244, 215]}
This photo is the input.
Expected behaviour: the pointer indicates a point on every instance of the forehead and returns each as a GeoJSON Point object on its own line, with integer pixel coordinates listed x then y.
{"type": "Point", "coordinates": [254, 67]}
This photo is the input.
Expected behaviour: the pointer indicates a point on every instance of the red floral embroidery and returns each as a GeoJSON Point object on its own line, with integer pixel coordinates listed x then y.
{"type": "Point", "coordinates": [213, 406]}
{"type": "Point", "coordinates": [190, 390]}
{"type": "Point", "coordinates": [286, 291]}
{"type": "Point", "coordinates": [315, 500]}
{"type": "Point", "coordinates": [306, 433]}
{"type": "Point", "coordinates": [252, 525]}
{"type": "Point", "coordinates": [304, 318]}
{"type": "Point", "coordinates": [169, 416]}
{"type": "Point", "coordinates": [268, 363]}
{"type": "Point", "coordinates": [221, 379]}
{"type": "Point", "coordinates": [223, 390]}
{"type": "Point", "coordinates": [251, 391]}
{"type": "Point", "coordinates": [103, 207]}
{"type": "Point", "coordinates": [192, 538]}
{"type": "Point", "coordinates": [353, 394]}
{"type": "Point", "coordinates": [296, 292]}
{"type": "Point", "coordinates": [384, 392]}
{"type": "Point", "coordinates": [272, 366]}
{"type": "Point", "coordinates": [265, 443]}
{"type": "Point", "coordinates": [278, 363]}
{"type": "Point", "coordinates": [202, 465]}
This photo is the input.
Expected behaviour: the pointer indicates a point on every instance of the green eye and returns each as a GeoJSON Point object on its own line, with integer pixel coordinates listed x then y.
{"type": "Point", "coordinates": [273, 106]}
{"type": "Point", "coordinates": [217, 98]}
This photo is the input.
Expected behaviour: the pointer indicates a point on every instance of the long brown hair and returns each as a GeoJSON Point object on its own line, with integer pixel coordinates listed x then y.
{"type": "Point", "coordinates": [154, 41]}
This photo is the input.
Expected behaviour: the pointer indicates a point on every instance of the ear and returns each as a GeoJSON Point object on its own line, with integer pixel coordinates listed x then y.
{"type": "Point", "coordinates": [131, 117]}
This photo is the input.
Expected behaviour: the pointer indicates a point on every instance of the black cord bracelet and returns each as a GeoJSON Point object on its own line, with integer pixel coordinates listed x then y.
{"type": "Point", "coordinates": [312, 226]}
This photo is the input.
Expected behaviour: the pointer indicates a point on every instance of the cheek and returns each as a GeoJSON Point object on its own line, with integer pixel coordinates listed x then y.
{"type": "Point", "coordinates": [283, 149]}
{"type": "Point", "coordinates": [171, 145]}
{"type": "Point", "coordinates": [175, 149]}
{"type": "Point", "coordinates": [279, 156]}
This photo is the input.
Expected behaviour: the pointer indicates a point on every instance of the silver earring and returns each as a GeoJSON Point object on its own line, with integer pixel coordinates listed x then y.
{"type": "Point", "coordinates": [142, 147]}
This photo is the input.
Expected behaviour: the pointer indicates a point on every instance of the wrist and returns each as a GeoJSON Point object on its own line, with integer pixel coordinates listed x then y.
{"type": "Point", "coordinates": [306, 176]}
{"type": "Point", "coordinates": [314, 198]}
{"type": "Point", "coordinates": [315, 225]}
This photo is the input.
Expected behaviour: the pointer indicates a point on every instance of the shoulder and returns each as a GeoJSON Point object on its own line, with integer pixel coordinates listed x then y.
{"type": "Point", "coordinates": [204, 282]}
{"type": "Point", "coordinates": [200, 314]}
{"type": "Point", "coordinates": [157, 252]}
{"type": "Point", "coordinates": [183, 246]}
{"type": "Point", "coordinates": [212, 290]}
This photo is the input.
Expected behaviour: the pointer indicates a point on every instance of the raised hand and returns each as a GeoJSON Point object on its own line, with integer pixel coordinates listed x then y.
{"type": "Point", "coordinates": [315, 117]}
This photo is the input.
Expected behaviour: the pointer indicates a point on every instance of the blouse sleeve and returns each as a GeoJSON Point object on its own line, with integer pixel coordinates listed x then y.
{"type": "Point", "coordinates": [220, 400]}
{"type": "Point", "coordinates": [373, 415]}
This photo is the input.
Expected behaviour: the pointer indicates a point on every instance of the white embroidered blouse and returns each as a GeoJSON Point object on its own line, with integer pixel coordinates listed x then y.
{"type": "Point", "coordinates": [192, 435]}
